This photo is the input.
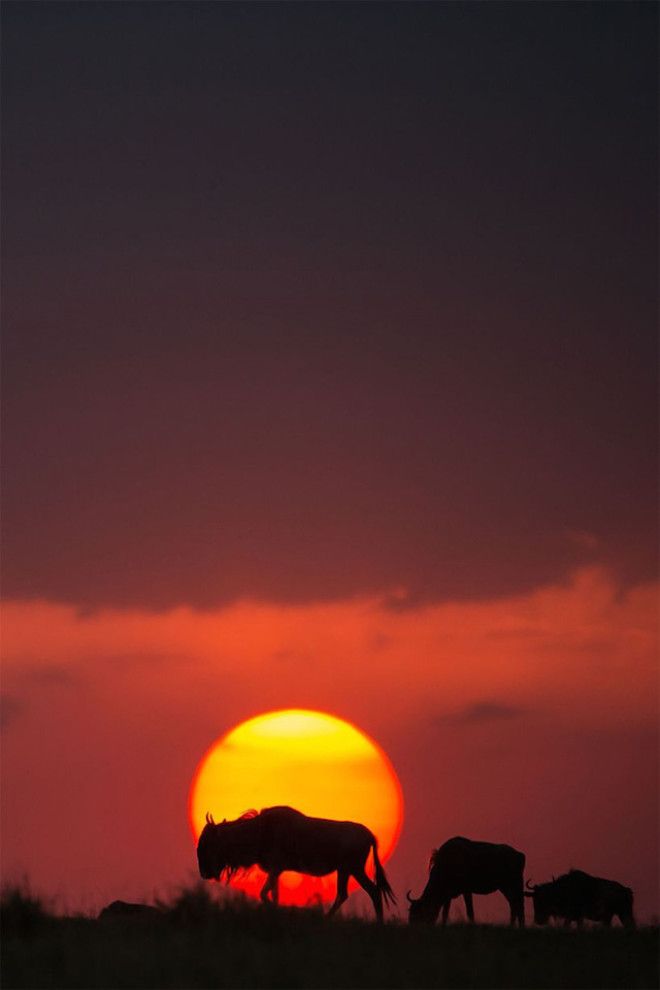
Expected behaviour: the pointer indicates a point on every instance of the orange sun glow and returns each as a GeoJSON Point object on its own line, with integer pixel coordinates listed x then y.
{"type": "Point", "coordinates": [317, 763]}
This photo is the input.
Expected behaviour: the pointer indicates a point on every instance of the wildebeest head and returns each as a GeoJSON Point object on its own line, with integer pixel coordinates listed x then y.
{"type": "Point", "coordinates": [542, 895]}
{"type": "Point", "coordinates": [425, 909]}
{"type": "Point", "coordinates": [421, 910]}
{"type": "Point", "coordinates": [210, 856]}
{"type": "Point", "coordinates": [224, 849]}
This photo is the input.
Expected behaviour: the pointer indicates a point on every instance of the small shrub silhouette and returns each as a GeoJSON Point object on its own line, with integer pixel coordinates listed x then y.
{"type": "Point", "coordinates": [21, 911]}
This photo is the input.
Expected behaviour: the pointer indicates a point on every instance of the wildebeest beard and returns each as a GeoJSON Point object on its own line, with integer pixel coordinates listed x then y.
{"type": "Point", "coordinates": [238, 847]}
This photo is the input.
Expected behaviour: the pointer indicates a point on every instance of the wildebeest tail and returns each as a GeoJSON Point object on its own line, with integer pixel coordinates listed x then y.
{"type": "Point", "coordinates": [382, 882]}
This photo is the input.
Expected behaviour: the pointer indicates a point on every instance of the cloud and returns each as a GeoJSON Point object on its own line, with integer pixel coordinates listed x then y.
{"type": "Point", "coordinates": [45, 673]}
{"type": "Point", "coordinates": [10, 708]}
{"type": "Point", "coordinates": [482, 711]}
{"type": "Point", "coordinates": [583, 650]}
{"type": "Point", "coordinates": [584, 539]}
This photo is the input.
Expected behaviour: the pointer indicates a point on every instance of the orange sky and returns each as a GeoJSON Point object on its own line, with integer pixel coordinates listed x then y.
{"type": "Point", "coordinates": [528, 719]}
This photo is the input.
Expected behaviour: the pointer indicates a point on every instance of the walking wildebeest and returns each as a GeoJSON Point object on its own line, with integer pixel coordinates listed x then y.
{"type": "Point", "coordinates": [577, 895]}
{"type": "Point", "coordinates": [463, 867]}
{"type": "Point", "coordinates": [280, 838]}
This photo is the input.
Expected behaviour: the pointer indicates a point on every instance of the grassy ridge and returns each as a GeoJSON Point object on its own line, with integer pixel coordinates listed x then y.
{"type": "Point", "coordinates": [197, 942]}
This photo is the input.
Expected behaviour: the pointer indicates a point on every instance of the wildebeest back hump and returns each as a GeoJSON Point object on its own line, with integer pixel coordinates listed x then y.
{"type": "Point", "coordinates": [293, 841]}
{"type": "Point", "coordinates": [482, 867]}
{"type": "Point", "coordinates": [597, 897]}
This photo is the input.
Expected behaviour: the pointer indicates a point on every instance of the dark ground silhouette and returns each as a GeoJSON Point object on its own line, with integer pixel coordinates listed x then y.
{"type": "Point", "coordinates": [198, 941]}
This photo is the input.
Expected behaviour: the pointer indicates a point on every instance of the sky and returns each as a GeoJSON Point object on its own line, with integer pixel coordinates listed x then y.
{"type": "Point", "coordinates": [329, 381]}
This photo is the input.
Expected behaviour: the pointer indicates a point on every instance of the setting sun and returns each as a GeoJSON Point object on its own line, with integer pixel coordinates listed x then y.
{"type": "Point", "coordinates": [312, 761]}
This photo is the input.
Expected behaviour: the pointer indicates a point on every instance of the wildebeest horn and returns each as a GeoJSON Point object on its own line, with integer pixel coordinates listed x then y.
{"type": "Point", "coordinates": [530, 885]}
{"type": "Point", "coordinates": [209, 819]}
{"type": "Point", "coordinates": [411, 899]}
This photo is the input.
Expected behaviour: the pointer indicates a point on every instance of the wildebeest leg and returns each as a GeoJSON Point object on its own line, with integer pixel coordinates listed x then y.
{"type": "Point", "coordinates": [342, 891]}
{"type": "Point", "coordinates": [372, 890]}
{"type": "Point", "coordinates": [445, 911]}
{"type": "Point", "coordinates": [516, 901]}
{"type": "Point", "coordinates": [512, 912]}
{"type": "Point", "coordinates": [270, 887]}
{"type": "Point", "coordinates": [469, 907]}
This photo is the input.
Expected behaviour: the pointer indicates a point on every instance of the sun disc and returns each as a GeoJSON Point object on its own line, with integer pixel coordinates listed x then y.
{"type": "Point", "coordinates": [314, 762]}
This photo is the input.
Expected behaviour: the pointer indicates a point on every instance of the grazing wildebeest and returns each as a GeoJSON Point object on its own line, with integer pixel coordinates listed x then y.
{"type": "Point", "coordinates": [577, 895]}
{"type": "Point", "coordinates": [280, 838]}
{"type": "Point", "coordinates": [124, 909]}
{"type": "Point", "coordinates": [464, 867]}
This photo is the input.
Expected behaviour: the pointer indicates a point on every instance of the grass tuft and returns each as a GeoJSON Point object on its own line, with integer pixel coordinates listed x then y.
{"type": "Point", "coordinates": [21, 911]}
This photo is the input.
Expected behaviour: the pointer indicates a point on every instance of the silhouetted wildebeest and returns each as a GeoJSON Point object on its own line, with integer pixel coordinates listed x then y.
{"type": "Point", "coordinates": [577, 895]}
{"type": "Point", "coordinates": [124, 909]}
{"type": "Point", "coordinates": [464, 867]}
{"type": "Point", "coordinates": [280, 838]}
